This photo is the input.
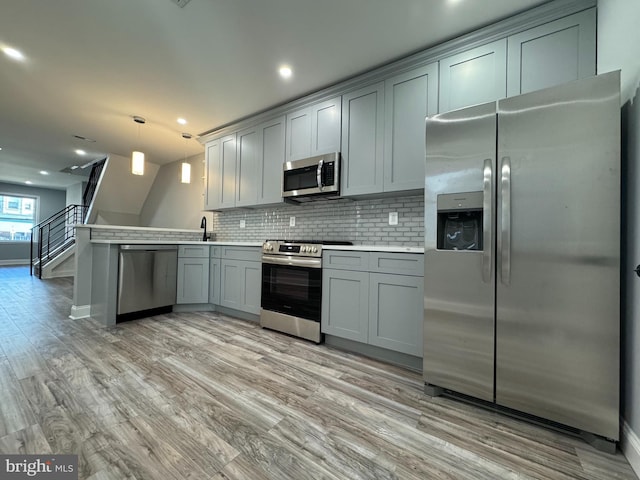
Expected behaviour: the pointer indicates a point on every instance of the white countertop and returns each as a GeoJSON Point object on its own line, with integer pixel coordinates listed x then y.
{"type": "Point", "coordinates": [176, 242]}
{"type": "Point", "coordinates": [375, 248]}
{"type": "Point", "coordinates": [127, 227]}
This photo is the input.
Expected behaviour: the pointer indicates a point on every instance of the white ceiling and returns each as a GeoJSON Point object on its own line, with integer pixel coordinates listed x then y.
{"type": "Point", "coordinates": [93, 64]}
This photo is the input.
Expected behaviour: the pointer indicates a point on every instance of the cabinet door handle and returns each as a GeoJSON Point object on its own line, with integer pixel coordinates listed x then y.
{"type": "Point", "coordinates": [319, 173]}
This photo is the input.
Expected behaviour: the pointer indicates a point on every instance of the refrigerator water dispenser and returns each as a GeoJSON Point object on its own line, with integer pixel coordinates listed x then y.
{"type": "Point", "coordinates": [460, 221]}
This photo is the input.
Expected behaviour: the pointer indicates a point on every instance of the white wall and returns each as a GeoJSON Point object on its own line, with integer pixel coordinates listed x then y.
{"type": "Point", "coordinates": [618, 41]}
{"type": "Point", "coordinates": [120, 194]}
{"type": "Point", "coordinates": [172, 204]}
{"type": "Point", "coordinates": [74, 193]}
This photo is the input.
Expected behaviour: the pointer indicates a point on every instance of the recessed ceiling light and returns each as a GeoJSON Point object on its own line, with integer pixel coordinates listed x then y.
{"type": "Point", "coordinates": [182, 121]}
{"type": "Point", "coordinates": [80, 152]}
{"type": "Point", "coordinates": [28, 182]}
{"type": "Point", "coordinates": [285, 71]}
{"type": "Point", "coordinates": [44, 172]}
{"type": "Point", "coordinates": [13, 53]}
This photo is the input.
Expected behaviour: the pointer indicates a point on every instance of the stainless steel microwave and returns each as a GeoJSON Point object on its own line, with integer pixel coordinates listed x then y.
{"type": "Point", "coordinates": [316, 176]}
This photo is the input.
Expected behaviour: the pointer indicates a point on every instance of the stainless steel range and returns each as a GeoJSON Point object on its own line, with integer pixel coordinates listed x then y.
{"type": "Point", "coordinates": [292, 286]}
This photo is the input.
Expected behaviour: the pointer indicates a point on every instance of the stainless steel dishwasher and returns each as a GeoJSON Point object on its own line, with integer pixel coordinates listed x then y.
{"type": "Point", "coordinates": [147, 276]}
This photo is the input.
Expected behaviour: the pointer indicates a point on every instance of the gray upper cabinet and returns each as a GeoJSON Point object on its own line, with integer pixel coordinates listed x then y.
{"type": "Point", "coordinates": [244, 169]}
{"type": "Point", "coordinates": [271, 157]}
{"type": "Point", "coordinates": [314, 130]}
{"type": "Point", "coordinates": [409, 98]}
{"type": "Point", "coordinates": [213, 179]}
{"type": "Point", "coordinates": [475, 76]}
{"type": "Point", "coordinates": [228, 173]}
{"type": "Point", "coordinates": [247, 167]}
{"type": "Point", "coordinates": [221, 173]}
{"type": "Point", "coordinates": [363, 140]}
{"type": "Point", "coordinates": [554, 53]}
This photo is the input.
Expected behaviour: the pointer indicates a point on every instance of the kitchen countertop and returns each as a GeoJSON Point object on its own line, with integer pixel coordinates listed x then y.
{"type": "Point", "coordinates": [358, 248]}
{"type": "Point", "coordinates": [176, 242]}
{"type": "Point", "coordinates": [375, 248]}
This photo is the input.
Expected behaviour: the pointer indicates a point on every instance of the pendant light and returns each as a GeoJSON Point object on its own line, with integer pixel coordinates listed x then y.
{"type": "Point", "coordinates": [186, 166]}
{"type": "Point", "coordinates": [137, 157]}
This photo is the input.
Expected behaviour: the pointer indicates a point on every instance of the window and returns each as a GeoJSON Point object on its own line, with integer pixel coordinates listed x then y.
{"type": "Point", "coordinates": [17, 217]}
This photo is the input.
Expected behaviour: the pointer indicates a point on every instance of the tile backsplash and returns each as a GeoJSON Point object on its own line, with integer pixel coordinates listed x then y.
{"type": "Point", "coordinates": [364, 222]}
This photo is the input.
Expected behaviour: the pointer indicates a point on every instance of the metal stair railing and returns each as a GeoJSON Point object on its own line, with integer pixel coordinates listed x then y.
{"type": "Point", "coordinates": [55, 235]}
{"type": "Point", "coordinates": [92, 183]}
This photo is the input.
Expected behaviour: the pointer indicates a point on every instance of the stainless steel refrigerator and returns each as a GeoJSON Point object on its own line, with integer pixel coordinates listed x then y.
{"type": "Point", "coordinates": [522, 254]}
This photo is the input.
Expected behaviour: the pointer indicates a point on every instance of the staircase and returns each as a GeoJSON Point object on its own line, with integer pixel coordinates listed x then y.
{"type": "Point", "coordinates": [53, 238]}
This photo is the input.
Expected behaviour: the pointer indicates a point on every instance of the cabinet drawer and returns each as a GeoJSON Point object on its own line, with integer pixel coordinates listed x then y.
{"type": "Point", "coordinates": [346, 260]}
{"type": "Point", "coordinates": [252, 254]}
{"type": "Point", "coordinates": [215, 252]}
{"type": "Point", "coordinates": [193, 251]}
{"type": "Point", "coordinates": [398, 263]}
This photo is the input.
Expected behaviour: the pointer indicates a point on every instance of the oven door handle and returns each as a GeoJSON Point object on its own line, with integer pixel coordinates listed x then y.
{"type": "Point", "coordinates": [292, 261]}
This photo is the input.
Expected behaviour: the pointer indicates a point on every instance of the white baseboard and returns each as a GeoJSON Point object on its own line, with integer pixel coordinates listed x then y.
{"type": "Point", "coordinates": [18, 261]}
{"type": "Point", "coordinates": [630, 446]}
{"type": "Point", "coordinates": [80, 311]}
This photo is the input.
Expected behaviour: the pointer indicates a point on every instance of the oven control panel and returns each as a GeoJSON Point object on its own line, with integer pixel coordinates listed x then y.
{"type": "Point", "coordinates": [280, 247]}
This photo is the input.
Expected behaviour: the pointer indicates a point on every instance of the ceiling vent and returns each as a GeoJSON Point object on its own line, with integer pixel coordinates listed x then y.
{"type": "Point", "coordinates": [181, 3]}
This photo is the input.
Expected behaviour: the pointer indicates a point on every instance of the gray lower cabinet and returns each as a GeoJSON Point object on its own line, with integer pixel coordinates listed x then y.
{"type": "Point", "coordinates": [395, 319]}
{"type": "Point", "coordinates": [478, 75]}
{"type": "Point", "coordinates": [551, 54]}
{"type": "Point", "coordinates": [193, 274]}
{"type": "Point", "coordinates": [345, 304]}
{"type": "Point", "coordinates": [240, 279]}
{"type": "Point", "coordinates": [374, 298]}
{"type": "Point", "coordinates": [214, 276]}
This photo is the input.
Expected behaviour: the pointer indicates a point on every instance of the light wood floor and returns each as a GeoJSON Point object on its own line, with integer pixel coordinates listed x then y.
{"type": "Point", "coordinates": [206, 396]}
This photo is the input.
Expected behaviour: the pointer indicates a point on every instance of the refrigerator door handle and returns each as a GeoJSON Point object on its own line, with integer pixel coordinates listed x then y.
{"type": "Point", "coordinates": [487, 208]}
{"type": "Point", "coordinates": [505, 221]}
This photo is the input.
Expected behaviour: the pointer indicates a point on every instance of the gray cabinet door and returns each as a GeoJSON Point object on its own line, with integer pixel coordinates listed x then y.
{"type": "Point", "coordinates": [230, 281]}
{"type": "Point", "coordinates": [193, 280]}
{"type": "Point", "coordinates": [214, 281]}
{"type": "Point", "coordinates": [551, 54]}
{"type": "Point", "coordinates": [251, 286]}
{"type": "Point", "coordinates": [395, 317]}
{"type": "Point", "coordinates": [271, 152]}
{"type": "Point", "coordinates": [345, 304]}
{"type": "Point", "coordinates": [298, 134]}
{"type": "Point", "coordinates": [326, 119]}
{"type": "Point", "coordinates": [409, 98]}
{"type": "Point", "coordinates": [247, 167]}
{"type": "Point", "coordinates": [240, 282]}
{"type": "Point", "coordinates": [213, 178]}
{"type": "Point", "coordinates": [475, 76]}
{"type": "Point", "coordinates": [314, 130]}
{"type": "Point", "coordinates": [228, 171]}
{"type": "Point", "coordinates": [363, 140]}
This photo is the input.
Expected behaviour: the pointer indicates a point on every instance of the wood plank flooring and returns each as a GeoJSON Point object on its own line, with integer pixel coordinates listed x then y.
{"type": "Point", "coordinates": [205, 396]}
